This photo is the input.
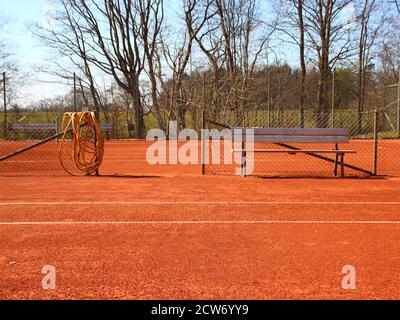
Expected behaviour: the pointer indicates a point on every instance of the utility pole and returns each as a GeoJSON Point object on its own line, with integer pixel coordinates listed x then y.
{"type": "Point", "coordinates": [333, 97]}
{"type": "Point", "coordinates": [268, 90]}
{"type": "Point", "coordinates": [269, 100]}
{"type": "Point", "coordinates": [75, 99]}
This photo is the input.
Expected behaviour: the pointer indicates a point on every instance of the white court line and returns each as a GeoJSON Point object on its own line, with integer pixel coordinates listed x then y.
{"type": "Point", "coordinates": [50, 203]}
{"type": "Point", "coordinates": [205, 222]}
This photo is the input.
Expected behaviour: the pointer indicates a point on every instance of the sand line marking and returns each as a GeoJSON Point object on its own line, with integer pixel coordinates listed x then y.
{"type": "Point", "coordinates": [50, 203]}
{"type": "Point", "coordinates": [201, 222]}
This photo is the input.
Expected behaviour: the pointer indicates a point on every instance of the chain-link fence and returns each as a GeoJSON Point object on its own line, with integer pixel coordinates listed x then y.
{"type": "Point", "coordinates": [26, 130]}
{"type": "Point", "coordinates": [23, 150]}
{"type": "Point", "coordinates": [375, 143]}
{"type": "Point", "coordinates": [391, 116]}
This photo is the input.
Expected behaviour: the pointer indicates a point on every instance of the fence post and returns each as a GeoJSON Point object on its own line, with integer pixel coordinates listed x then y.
{"type": "Point", "coordinates": [333, 97]}
{"type": "Point", "coordinates": [203, 127]}
{"type": "Point", "coordinates": [269, 101]}
{"type": "Point", "coordinates": [203, 143]}
{"type": "Point", "coordinates": [376, 137]}
{"type": "Point", "coordinates": [5, 107]}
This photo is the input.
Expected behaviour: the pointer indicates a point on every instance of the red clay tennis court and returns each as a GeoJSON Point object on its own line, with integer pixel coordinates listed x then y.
{"type": "Point", "coordinates": [199, 237]}
{"type": "Point", "coordinates": [166, 232]}
{"type": "Point", "coordinates": [128, 158]}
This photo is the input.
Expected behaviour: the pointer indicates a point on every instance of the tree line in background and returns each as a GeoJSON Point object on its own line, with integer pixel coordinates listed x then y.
{"type": "Point", "coordinates": [222, 56]}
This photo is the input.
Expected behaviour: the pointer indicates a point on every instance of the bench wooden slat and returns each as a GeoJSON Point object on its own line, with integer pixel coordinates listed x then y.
{"type": "Point", "coordinates": [294, 151]}
{"type": "Point", "coordinates": [294, 131]}
{"type": "Point", "coordinates": [33, 127]}
{"type": "Point", "coordinates": [295, 139]}
{"type": "Point", "coordinates": [47, 126]}
{"type": "Point", "coordinates": [106, 126]}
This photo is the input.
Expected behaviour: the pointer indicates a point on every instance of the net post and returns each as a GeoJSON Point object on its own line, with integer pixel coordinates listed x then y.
{"type": "Point", "coordinates": [376, 128]}
{"type": "Point", "coordinates": [97, 119]}
{"type": "Point", "coordinates": [203, 143]}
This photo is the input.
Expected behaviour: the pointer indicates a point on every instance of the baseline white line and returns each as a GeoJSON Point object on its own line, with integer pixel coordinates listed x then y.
{"type": "Point", "coordinates": [205, 222]}
{"type": "Point", "coordinates": [50, 203]}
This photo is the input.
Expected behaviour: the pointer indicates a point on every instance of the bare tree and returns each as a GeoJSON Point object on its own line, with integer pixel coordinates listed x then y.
{"type": "Point", "coordinates": [330, 37]}
{"type": "Point", "coordinates": [397, 4]}
{"type": "Point", "coordinates": [176, 56]}
{"type": "Point", "coordinates": [151, 16]}
{"type": "Point", "coordinates": [233, 38]}
{"type": "Point", "coordinates": [300, 20]}
{"type": "Point", "coordinates": [116, 37]}
{"type": "Point", "coordinates": [214, 61]}
{"type": "Point", "coordinates": [67, 37]}
{"type": "Point", "coordinates": [4, 52]}
{"type": "Point", "coordinates": [293, 26]}
{"type": "Point", "coordinates": [15, 78]}
{"type": "Point", "coordinates": [370, 24]}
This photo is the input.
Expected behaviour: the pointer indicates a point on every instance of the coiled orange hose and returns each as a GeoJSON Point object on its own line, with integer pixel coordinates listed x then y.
{"type": "Point", "coordinates": [82, 145]}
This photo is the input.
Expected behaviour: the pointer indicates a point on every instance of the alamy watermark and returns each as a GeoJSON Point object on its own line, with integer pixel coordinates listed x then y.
{"type": "Point", "coordinates": [228, 147]}
{"type": "Point", "coordinates": [49, 280]}
{"type": "Point", "coordinates": [349, 277]}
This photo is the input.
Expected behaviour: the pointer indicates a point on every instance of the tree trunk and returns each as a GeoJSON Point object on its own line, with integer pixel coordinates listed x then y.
{"type": "Point", "coordinates": [139, 114]}
{"type": "Point", "coordinates": [302, 62]}
{"type": "Point", "coordinates": [181, 115]}
{"type": "Point", "coordinates": [322, 109]}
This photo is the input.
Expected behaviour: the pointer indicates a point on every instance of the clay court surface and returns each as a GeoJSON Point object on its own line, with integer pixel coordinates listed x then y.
{"type": "Point", "coordinates": [203, 238]}
{"type": "Point", "coordinates": [169, 233]}
{"type": "Point", "coordinates": [128, 158]}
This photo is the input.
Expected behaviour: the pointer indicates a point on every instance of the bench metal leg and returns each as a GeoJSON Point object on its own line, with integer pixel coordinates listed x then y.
{"type": "Point", "coordinates": [342, 165]}
{"type": "Point", "coordinates": [244, 164]}
{"type": "Point", "coordinates": [244, 158]}
{"type": "Point", "coordinates": [336, 161]}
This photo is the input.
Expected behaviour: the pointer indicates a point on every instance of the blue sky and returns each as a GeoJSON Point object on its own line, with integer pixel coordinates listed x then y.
{"type": "Point", "coordinates": [23, 13]}
{"type": "Point", "coordinates": [20, 14]}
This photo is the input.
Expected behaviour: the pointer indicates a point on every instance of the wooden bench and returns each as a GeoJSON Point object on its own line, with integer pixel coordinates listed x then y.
{"type": "Point", "coordinates": [49, 128]}
{"type": "Point", "coordinates": [35, 130]}
{"type": "Point", "coordinates": [107, 129]}
{"type": "Point", "coordinates": [283, 137]}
